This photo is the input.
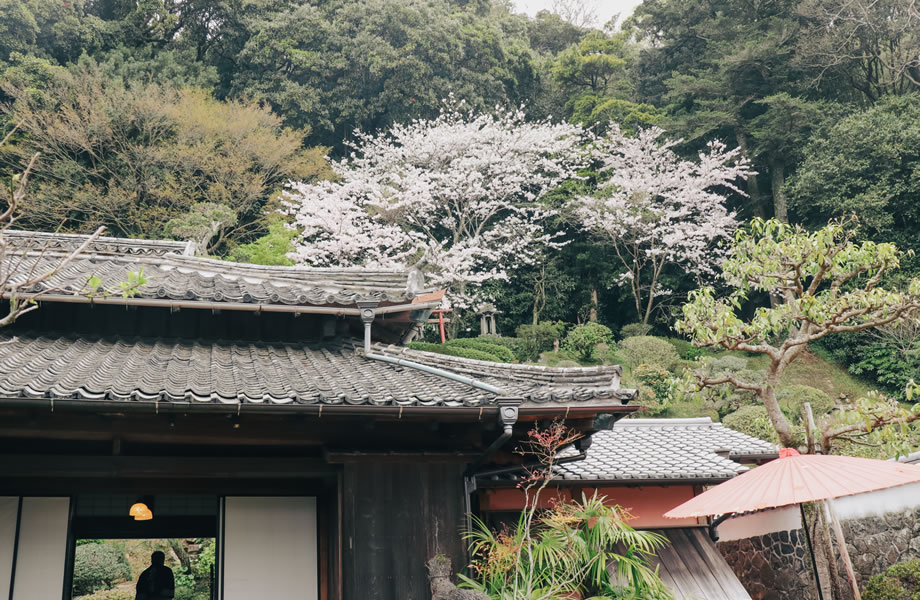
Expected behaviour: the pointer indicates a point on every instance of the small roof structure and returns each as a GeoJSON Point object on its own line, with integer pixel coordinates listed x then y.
{"type": "Point", "coordinates": [667, 450]}
{"type": "Point", "coordinates": [174, 275]}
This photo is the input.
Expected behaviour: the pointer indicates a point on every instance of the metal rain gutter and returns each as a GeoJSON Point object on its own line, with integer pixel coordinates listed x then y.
{"type": "Point", "coordinates": [240, 306]}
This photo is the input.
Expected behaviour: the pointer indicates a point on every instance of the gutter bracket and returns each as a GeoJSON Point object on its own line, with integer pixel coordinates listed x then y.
{"type": "Point", "coordinates": [368, 312]}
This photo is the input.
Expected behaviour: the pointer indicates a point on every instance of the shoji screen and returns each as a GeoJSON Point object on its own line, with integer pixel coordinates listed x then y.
{"type": "Point", "coordinates": [9, 511]}
{"type": "Point", "coordinates": [40, 560]}
{"type": "Point", "coordinates": [269, 548]}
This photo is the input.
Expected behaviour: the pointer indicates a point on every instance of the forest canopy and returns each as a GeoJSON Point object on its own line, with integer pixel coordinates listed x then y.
{"type": "Point", "coordinates": [188, 118]}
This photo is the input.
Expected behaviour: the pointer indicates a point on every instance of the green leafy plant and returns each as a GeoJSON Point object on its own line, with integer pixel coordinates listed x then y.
{"type": "Point", "coordinates": [573, 549]}
{"type": "Point", "coordinates": [900, 581]}
{"type": "Point", "coordinates": [792, 400]}
{"type": "Point", "coordinates": [648, 350]}
{"type": "Point", "coordinates": [752, 420]}
{"type": "Point", "coordinates": [583, 340]}
{"type": "Point", "coordinates": [655, 387]}
{"type": "Point", "coordinates": [484, 345]}
{"type": "Point", "coordinates": [98, 566]}
{"type": "Point", "coordinates": [540, 337]}
{"type": "Point", "coordinates": [634, 329]}
{"type": "Point", "coordinates": [452, 350]}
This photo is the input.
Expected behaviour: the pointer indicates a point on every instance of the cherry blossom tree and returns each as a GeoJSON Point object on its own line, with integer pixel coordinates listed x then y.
{"type": "Point", "coordinates": [458, 195]}
{"type": "Point", "coordinates": [658, 210]}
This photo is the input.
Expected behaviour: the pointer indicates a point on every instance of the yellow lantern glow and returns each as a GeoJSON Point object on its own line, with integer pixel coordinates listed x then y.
{"type": "Point", "coordinates": [140, 512]}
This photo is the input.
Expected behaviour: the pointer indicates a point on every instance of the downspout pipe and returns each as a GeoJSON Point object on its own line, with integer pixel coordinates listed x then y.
{"type": "Point", "coordinates": [369, 311]}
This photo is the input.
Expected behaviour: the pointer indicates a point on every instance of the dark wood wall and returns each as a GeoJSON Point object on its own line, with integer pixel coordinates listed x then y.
{"type": "Point", "coordinates": [395, 516]}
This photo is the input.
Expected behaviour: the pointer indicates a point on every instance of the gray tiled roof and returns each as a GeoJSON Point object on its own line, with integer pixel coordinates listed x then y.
{"type": "Point", "coordinates": [69, 242]}
{"type": "Point", "coordinates": [176, 370]}
{"type": "Point", "coordinates": [665, 449]}
{"type": "Point", "coordinates": [172, 275]}
{"type": "Point", "coordinates": [537, 383]}
{"type": "Point", "coordinates": [912, 458]}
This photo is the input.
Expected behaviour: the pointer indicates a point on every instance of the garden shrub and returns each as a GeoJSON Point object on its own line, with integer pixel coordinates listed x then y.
{"type": "Point", "coordinates": [458, 351]}
{"type": "Point", "coordinates": [582, 340]}
{"type": "Point", "coordinates": [753, 421]}
{"type": "Point", "coordinates": [728, 363]}
{"type": "Point", "coordinates": [98, 566]}
{"type": "Point", "coordinates": [484, 345]}
{"type": "Point", "coordinates": [539, 338]}
{"type": "Point", "coordinates": [516, 345]}
{"type": "Point", "coordinates": [889, 366]}
{"type": "Point", "coordinates": [634, 330]}
{"type": "Point", "coordinates": [685, 349]}
{"type": "Point", "coordinates": [648, 350]}
{"type": "Point", "coordinates": [654, 388]}
{"type": "Point", "coordinates": [792, 399]}
{"type": "Point", "coordinates": [900, 581]}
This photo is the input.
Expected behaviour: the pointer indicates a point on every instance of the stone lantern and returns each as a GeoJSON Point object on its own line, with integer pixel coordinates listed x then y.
{"type": "Point", "coordinates": [487, 324]}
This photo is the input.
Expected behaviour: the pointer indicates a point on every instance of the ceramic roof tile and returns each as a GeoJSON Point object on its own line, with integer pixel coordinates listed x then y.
{"type": "Point", "coordinates": [173, 275]}
{"type": "Point", "coordinates": [661, 449]}
{"type": "Point", "coordinates": [51, 365]}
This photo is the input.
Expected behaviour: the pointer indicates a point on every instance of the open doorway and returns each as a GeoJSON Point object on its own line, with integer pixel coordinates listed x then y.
{"type": "Point", "coordinates": [111, 548]}
{"type": "Point", "coordinates": [109, 569]}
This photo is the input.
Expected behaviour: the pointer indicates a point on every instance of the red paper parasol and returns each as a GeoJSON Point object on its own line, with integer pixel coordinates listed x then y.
{"type": "Point", "coordinates": [796, 478]}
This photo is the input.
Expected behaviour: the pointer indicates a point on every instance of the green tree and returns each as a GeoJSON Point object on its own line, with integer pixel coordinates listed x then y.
{"type": "Point", "coordinates": [866, 164]}
{"type": "Point", "coordinates": [343, 65]}
{"type": "Point", "coordinates": [828, 284]}
{"type": "Point", "coordinates": [135, 158]}
{"type": "Point", "coordinates": [712, 65]}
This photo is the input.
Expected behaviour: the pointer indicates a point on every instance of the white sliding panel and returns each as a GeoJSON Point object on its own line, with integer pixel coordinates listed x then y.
{"type": "Point", "coordinates": [42, 553]}
{"type": "Point", "coordinates": [9, 512]}
{"type": "Point", "coordinates": [269, 548]}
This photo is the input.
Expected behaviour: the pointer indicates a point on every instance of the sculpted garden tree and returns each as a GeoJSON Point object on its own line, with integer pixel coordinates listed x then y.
{"type": "Point", "coordinates": [458, 194]}
{"type": "Point", "coordinates": [658, 210]}
{"type": "Point", "coordinates": [828, 284]}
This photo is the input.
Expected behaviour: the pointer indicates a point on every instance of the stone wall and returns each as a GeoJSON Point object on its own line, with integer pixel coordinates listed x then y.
{"type": "Point", "coordinates": [876, 543]}
{"type": "Point", "coordinates": [775, 566]}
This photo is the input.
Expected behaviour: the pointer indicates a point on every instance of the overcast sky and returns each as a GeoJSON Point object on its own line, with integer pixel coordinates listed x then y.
{"type": "Point", "coordinates": [605, 8]}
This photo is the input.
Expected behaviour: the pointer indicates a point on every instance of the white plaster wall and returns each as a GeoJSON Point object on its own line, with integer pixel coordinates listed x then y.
{"type": "Point", "coordinates": [270, 548]}
{"type": "Point", "coordinates": [760, 523]}
{"type": "Point", "coordinates": [9, 507]}
{"type": "Point", "coordinates": [896, 499]}
{"type": "Point", "coordinates": [42, 553]}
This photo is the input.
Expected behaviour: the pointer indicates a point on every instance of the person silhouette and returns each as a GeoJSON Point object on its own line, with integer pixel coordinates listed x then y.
{"type": "Point", "coordinates": [156, 582]}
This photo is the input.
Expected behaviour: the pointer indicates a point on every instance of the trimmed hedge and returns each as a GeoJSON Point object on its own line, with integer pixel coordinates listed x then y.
{"type": "Point", "coordinates": [516, 345]}
{"type": "Point", "coordinates": [792, 400]}
{"type": "Point", "coordinates": [458, 351]}
{"type": "Point", "coordinates": [752, 420]}
{"type": "Point", "coordinates": [484, 345]}
{"type": "Point", "coordinates": [648, 350]}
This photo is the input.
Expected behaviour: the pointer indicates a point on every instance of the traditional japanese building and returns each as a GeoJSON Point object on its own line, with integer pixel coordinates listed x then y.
{"type": "Point", "coordinates": [266, 407]}
{"type": "Point", "coordinates": [648, 467]}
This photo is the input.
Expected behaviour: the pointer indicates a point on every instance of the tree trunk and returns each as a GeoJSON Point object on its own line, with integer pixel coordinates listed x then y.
{"type": "Point", "coordinates": [753, 187]}
{"type": "Point", "coordinates": [592, 315]}
{"type": "Point", "coordinates": [777, 418]}
{"type": "Point", "coordinates": [778, 176]}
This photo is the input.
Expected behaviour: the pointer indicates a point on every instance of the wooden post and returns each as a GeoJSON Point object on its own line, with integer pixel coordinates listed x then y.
{"type": "Point", "coordinates": [809, 427]}
{"type": "Point", "coordinates": [844, 553]}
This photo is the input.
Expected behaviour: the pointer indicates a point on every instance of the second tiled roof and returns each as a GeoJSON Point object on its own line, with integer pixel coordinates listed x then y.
{"type": "Point", "coordinates": [666, 449]}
